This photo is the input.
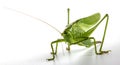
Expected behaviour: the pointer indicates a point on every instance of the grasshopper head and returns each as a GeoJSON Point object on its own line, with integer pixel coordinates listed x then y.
{"type": "Point", "coordinates": [67, 36]}
{"type": "Point", "coordinates": [64, 33]}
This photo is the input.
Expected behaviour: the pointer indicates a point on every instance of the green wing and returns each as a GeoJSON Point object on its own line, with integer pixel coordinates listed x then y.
{"type": "Point", "coordinates": [88, 22]}
{"type": "Point", "coordinates": [81, 28]}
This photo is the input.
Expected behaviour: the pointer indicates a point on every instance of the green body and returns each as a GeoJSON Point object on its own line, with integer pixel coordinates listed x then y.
{"type": "Point", "coordinates": [80, 30]}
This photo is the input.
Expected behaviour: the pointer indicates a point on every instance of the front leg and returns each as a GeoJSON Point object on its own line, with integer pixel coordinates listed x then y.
{"type": "Point", "coordinates": [54, 52]}
{"type": "Point", "coordinates": [55, 49]}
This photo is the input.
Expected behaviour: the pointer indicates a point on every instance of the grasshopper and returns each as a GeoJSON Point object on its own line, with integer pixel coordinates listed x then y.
{"type": "Point", "coordinates": [78, 32]}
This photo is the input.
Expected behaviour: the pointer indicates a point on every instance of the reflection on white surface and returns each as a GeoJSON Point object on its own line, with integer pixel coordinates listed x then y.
{"type": "Point", "coordinates": [80, 56]}
{"type": "Point", "coordinates": [26, 41]}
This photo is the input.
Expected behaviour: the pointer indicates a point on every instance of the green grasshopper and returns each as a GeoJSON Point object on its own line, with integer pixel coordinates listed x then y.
{"type": "Point", "coordinates": [79, 33]}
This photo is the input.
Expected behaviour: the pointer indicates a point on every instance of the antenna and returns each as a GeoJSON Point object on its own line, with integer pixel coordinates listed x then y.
{"type": "Point", "coordinates": [33, 17]}
{"type": "Point", "coordinates": [68, 10]}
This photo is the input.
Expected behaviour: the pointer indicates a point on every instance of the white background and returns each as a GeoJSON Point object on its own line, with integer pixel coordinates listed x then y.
{"type": "Point", "coordinates": [26, 41]}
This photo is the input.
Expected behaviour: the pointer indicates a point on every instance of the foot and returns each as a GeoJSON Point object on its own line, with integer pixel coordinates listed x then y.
{"type": "Point", "coordinates": [50, 59]}
{"type": "Point", "coordinates": [53, 53]}
{"type": "Point", "coordinates": [103, 52]}
{"type": "Point", "coordinates": [68, 49]}
{"type": "Point", "coordinates": [98, 42]}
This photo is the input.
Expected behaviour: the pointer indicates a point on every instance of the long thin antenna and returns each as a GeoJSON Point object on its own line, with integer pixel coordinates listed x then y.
{"type": "Point", "coordinates": [33, 17]}
{"type": "Point", "coordinates": [68, 10]}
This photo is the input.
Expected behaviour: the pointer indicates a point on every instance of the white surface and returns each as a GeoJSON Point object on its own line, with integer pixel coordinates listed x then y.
{"type": "Point", "coordinates": [26, 41]}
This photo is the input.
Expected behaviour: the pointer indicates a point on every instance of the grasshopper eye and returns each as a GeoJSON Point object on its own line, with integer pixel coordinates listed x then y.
{"type": "Point", "coordinates": [65, 32]}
